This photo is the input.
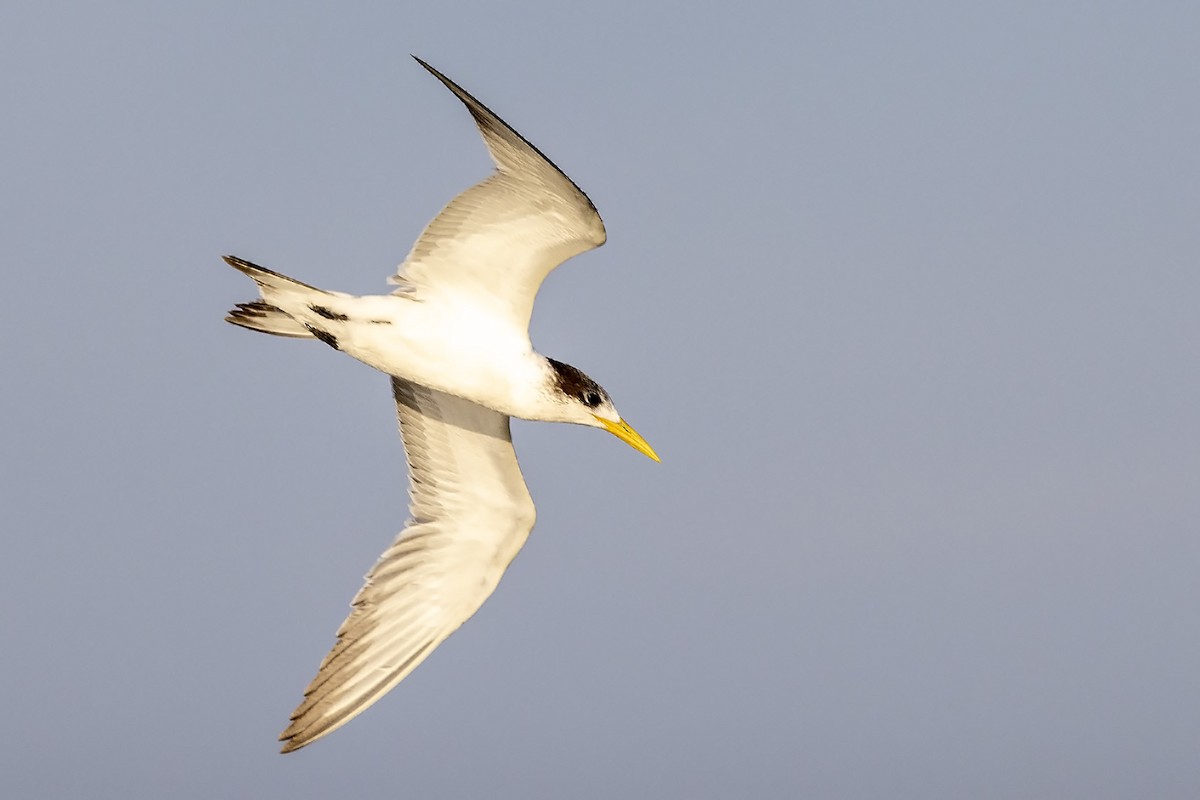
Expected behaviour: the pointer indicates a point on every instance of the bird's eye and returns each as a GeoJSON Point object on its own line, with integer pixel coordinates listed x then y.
{"type": "Point", "coordinates": [591, 399]}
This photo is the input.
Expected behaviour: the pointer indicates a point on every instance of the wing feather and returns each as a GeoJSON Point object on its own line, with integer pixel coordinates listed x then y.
{"type": "Point", "coordinates": [470, 514]}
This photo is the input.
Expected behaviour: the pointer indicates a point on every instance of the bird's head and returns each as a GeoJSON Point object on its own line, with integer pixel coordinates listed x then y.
{"type": "Point", "coordinates": [581, 400]}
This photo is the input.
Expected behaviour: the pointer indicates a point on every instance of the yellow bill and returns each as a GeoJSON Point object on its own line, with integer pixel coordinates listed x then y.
{"type": "Point", "coordinates": [629, 436]}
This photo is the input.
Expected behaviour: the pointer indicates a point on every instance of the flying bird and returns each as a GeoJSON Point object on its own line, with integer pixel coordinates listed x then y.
{"type": "Point", "coordinates": [454, 338]}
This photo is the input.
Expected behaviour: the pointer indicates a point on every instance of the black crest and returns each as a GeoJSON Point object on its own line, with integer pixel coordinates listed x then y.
{"type": "Point", "coordinates": [574, 383]}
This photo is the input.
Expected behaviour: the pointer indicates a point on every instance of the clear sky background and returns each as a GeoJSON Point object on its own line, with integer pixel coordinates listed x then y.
{"type": "Point", "coordinates": [907, 296]}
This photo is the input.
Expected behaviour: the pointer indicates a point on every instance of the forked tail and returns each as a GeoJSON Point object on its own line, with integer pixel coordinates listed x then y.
{"type": "Point", "coordinates": [264, 315]}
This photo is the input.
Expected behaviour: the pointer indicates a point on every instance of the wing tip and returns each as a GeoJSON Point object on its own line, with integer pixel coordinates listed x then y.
{"type": "Point", "coordinates": [435, 72]}
{"type": "Point", "coordinates": [294, 737]}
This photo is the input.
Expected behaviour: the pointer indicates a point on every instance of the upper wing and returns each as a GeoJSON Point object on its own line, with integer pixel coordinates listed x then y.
{"type": "Point", "coordinates": [497, 241]}
{"type": "Point", "coordinates": [470, 514]}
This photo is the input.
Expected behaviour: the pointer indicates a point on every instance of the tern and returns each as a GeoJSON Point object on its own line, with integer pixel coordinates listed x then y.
{"type": "Point", "coordinates": [454, 338]}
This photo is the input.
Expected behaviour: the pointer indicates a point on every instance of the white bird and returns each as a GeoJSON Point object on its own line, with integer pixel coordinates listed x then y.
{"type": "Point", "coordinates": [454, 337]}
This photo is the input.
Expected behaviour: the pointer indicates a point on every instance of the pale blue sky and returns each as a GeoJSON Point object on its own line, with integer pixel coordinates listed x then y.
{"type": "Point", "coordinates": [906, 296]}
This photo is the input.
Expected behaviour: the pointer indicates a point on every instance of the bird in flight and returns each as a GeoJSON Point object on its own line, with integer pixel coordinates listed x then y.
{"type": "Point", "coordinates": [454, 338]}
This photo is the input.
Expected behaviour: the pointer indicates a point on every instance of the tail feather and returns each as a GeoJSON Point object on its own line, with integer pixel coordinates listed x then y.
{"type": "Point", "coordinates": [268, 279]}
{"type": "Point", "coordinates": [266, 315]}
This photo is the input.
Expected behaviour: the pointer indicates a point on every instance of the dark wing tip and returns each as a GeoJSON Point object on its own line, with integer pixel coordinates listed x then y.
{"type": "Point", "coordinates": [435, 72]}
{"type": "Point", "coordinates": [491, 125]}
{"type": "Point", "coordinates": [476, 108]}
